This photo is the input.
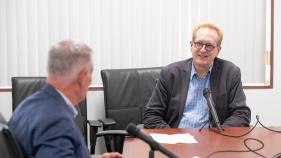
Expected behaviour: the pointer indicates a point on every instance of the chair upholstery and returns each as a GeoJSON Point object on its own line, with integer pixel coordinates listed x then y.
{"type": "Point", "coordinates": [126, 92]}
{"type": "Point", "coordinates": [22, 87]}
{"type": "Point", "coordinates": [9, 147]}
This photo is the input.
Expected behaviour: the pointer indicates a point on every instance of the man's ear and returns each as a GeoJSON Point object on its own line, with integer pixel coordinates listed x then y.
{"type": "Point", "coordinates": [219, 48]}
{"type": "Point", "coordinates": [191, 43]}
{"type": "Point", "coordinates": [80, 77]}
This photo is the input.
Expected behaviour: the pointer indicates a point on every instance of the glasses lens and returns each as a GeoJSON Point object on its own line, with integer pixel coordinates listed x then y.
{"type": "Point", "coordinates": [208, 47]}
{"type": "Point", "coordinates": [198, 45]}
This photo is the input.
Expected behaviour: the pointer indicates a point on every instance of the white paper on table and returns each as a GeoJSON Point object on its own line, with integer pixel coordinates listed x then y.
{"type": "Point", "coordinates": [173, 138]}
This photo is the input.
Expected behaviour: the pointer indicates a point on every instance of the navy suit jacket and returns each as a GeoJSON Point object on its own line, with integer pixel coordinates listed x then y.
{"type": "Point", "coordinates": [166, 105]}
{"type": "Point", "coordinates": [45, 128]}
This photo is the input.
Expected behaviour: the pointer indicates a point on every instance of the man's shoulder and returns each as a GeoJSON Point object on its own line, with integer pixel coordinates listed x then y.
{"type": "Point", "coordinates": [225, 64]}
{"type": "Point", "coordinates": [39, 106]}
{"type": "Point", "coordinates": [178, 65]}
{"type": "Point", "coordinates": [38, 100]}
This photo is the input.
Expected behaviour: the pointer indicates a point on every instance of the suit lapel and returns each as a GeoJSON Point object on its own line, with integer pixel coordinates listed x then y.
{"type": "Point", "coordinates": [214, 79]}
{"type": "Point", "coordinates": [185, 78]}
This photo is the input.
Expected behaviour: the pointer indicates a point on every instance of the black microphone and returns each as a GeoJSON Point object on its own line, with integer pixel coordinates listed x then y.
{"type": "Point", "coordinates": [207, 94]}
{"type": "Point", "coordinates": [136, 132]}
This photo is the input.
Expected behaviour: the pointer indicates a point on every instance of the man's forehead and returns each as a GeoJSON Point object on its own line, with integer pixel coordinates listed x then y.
{"type": "Point", "coordinates": [206, 35]}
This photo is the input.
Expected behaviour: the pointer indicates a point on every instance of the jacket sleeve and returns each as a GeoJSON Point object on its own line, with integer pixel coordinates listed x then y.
{"type": "Point", "coordinates": [156, 108]}
{"type": "Point", "coordinates": [239, 112]}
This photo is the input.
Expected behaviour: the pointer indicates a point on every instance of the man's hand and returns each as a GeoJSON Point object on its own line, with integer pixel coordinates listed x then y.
{"type": "Point", "coordinates": [111, 155]}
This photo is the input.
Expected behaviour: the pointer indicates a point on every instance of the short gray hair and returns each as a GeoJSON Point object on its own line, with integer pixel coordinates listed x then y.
{"type": "Point", "coordinates": [67, 57]}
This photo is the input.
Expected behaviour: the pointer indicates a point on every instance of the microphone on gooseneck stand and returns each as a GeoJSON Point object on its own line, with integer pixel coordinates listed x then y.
{"type": "Point", "coordinates": [208, 96]}
{"type": "Point", "coordinates": [134, 131]}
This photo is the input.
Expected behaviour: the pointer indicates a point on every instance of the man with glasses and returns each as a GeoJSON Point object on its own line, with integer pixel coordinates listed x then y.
{"type": "Point", "coordinates": [178, 101]}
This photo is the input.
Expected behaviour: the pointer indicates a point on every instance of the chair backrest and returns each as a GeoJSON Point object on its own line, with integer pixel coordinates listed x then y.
{"type": "Point", "coordinates": [126, 92]}
{"type": "Point", "coordinates": [23, 87]}
{"type": "Point", "coordinates": [9, 147]}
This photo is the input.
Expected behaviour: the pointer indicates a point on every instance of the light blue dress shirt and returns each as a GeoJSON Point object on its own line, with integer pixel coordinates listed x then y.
{"type": "Point", "coordinates": [196, 111]}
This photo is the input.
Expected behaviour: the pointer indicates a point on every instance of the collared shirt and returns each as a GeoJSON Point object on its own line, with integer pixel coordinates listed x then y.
{"type": "Point", "coordinates": [68, 103]}
{"type": "Point", "coordinates": [196, 111]}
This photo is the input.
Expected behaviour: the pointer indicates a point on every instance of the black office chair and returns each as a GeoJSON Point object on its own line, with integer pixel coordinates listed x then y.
{"type": "Point", "coordinates": [126, 92]}
{"type": "Point", "coordinates": [9, 147]}
{"type": "Point", "coordinates": [22, 87]}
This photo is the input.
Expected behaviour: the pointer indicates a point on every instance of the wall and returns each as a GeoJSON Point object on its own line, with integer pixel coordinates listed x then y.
{"type": "Point", "coordinates": [267, 103]}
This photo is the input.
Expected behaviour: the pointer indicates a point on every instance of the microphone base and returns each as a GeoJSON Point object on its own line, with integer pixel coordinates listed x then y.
{"type": "Point", "coordinates": [219, 127]}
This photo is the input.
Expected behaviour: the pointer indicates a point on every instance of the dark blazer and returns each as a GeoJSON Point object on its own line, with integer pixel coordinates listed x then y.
{"type": "Point", "coordinates": [45, 128]}
{"type": "Point", "coordinates": [166, 105]}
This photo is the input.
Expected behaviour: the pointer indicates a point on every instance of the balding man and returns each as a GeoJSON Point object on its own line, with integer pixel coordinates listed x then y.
{"type": "Point", "coordinates": [44, 122]}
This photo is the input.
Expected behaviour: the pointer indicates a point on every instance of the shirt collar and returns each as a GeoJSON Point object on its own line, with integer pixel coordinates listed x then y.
{"type": "Point", "coordinates": [193, 71]}
{"type": "Point", "coordinates": [68, 103]}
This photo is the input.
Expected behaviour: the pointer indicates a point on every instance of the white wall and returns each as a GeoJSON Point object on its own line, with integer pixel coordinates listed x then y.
{"type": "Point", "coordinates": [6, 104]}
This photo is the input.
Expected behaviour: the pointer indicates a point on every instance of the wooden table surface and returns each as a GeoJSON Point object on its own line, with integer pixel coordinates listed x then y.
{"type": "Point", "coordinates": [210, 141]}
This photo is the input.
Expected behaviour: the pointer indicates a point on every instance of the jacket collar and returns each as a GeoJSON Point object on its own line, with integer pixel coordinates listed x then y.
{"type": "Point", "coordinates": [51, 90]}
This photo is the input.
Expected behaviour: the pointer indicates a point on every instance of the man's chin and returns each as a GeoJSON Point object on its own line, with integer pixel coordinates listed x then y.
{"type": "Point", "coordinates": [203, 64]}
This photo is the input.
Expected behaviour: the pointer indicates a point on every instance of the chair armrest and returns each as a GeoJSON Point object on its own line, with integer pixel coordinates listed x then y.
{"type": "Point", "coordinates": [113, 133]}
{"type": "Point", "coordinates": [107, 122]}
{"type": "Point", "coordinates": [94, 123]}
{"type": "Point", "coordinates": [114, 139]}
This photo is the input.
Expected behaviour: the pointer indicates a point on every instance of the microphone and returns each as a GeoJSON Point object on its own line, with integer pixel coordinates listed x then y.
{"type": "Point", "coordinates": [207, 94]}
{"type": "Point", "coordinates": [136, 132]}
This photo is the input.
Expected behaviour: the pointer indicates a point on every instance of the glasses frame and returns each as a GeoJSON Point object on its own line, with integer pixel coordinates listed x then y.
{"type": "Point", "coordinates": [208, 47]}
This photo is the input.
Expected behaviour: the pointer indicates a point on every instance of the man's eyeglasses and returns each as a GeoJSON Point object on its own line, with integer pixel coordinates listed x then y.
{"type": "Point", "coordinates": [208, 47]}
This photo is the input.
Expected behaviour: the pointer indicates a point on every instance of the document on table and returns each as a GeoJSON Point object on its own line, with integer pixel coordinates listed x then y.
{"type": "Point", "coordinates": [173, 138]}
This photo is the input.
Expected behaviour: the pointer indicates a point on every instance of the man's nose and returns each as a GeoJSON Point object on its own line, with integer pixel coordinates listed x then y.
{"type": "Point", "coordinates": [203, 49]}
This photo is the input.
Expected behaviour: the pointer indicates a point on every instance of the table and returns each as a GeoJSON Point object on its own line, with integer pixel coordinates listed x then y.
{"type": "Point", "coordinates": [210, 141]}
